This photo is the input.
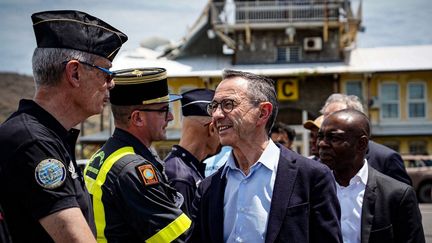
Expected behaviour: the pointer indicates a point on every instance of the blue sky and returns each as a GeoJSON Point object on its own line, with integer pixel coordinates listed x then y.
{"type": "Point", "coordinates": [387, 22]}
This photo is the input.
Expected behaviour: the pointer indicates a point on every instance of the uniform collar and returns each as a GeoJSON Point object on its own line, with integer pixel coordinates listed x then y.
{"type": "Point", "coordinates": [188, 158]}
{"type": "Point", "coordinates": [133, 141]}
{"type": "Point", "coordinates": [44, 117]}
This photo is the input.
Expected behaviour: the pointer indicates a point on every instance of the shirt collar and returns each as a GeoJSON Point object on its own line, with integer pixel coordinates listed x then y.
{"type": "Point", "coordinates": [44, 117]}
{"type": "Point", "coordinates": [361, 176]}
{"type": "Point", "coordinates": [269, 158]}
{"type": "Point", "coordinates": [363, 172]}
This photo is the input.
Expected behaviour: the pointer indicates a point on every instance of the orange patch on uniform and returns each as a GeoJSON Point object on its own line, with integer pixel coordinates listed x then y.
{"type": "Point", "coordinates": [148, 174]}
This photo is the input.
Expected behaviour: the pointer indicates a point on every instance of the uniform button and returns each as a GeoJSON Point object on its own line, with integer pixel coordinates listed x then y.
{"type": "Point", "coordinates": [183, 154]}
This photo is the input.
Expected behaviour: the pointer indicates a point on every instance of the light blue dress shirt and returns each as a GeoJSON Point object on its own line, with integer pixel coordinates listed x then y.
{"type": "Point", "coordinates": [216, 161]}
{"type": "Point", "coordinates": [248, 197]}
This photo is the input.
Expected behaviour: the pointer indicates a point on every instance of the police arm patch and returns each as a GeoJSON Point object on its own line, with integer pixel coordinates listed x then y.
{"type": "Point", "coordinates": [148, 174]}
{"type": "Point", "coordinates": [50, 173]}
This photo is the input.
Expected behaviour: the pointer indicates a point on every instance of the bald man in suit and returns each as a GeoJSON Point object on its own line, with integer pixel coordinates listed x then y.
{"type": "Point", "coordinates": [375, 207]}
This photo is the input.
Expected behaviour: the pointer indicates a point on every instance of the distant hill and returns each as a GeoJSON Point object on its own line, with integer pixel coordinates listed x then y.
{"type": "Point", "coordinates": [13, 87]}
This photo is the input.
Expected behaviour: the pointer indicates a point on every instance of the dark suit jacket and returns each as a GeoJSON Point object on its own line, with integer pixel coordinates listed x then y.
{"type": "Point", "coordinates": [304, 205]}
{"type": "Point", "coordinates": [390, 212]}
{"type": "Point", "coordinates": [387, 161]}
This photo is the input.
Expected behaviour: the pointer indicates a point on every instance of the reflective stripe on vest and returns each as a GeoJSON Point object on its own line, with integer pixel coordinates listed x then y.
{"type": "Point", "coordinates": [172, 230]}
{"type": "Point", "coordinates": [95, 189]}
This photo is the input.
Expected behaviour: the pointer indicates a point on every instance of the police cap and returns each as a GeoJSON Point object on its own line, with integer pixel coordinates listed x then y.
{"type": "Point", "coordinates": [77, 30]}
{"type": "Point", "coordinates": [141, 86]}
{"type": "Point", "coordinates": [194, 102]}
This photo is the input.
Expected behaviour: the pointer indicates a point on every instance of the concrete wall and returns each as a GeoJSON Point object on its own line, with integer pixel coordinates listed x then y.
{"type": "Point", "coordinates": [264, 45]}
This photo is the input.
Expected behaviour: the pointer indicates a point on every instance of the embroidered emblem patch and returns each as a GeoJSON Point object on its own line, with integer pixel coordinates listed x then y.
{"type": "Point", "coordinates": [50, 173]}
{"type": "Point", "coordinates": [148, 174]}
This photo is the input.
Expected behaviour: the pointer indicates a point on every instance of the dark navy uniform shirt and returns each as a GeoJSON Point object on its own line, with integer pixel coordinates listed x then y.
{"type": "Point", "coordinates": [184, 172]}
{"type": "Point", "coordinates": [137, 203]}
{"type": "Point", "coordinates": [38, 172]}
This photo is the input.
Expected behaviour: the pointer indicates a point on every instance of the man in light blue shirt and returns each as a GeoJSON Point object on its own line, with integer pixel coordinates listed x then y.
{"type": "Point", "coordinates": [265, 192]}
{"type": "Point", "coordinates": [248, 197]}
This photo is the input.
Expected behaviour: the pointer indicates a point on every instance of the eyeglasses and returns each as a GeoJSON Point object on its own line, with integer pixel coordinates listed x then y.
{"type": "Point", "coordinates": [165, 109]}
{"type": "Point", "coordinates": [226, 105]}
{"type": "Point", "coordinates": [109, 75]}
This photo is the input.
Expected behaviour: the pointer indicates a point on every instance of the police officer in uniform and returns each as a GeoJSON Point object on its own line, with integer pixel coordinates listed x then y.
{"type": "Point", "coordinates": [131, 197]}
{"type": "Point", "coordinates": [199, 140]}
{"type": "Point", "coordinates": [43, 194]}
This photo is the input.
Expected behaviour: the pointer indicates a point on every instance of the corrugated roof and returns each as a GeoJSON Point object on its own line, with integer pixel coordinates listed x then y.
{"type": "Point", "coordinates": [379, 59]}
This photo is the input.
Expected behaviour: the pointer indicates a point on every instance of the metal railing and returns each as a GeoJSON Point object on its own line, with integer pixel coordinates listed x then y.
{"type": "Point", "coordinates": [275, 11]}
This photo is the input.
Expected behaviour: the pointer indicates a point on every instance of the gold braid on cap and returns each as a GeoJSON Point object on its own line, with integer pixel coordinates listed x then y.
{"type": "Point", "coordinates": [157, 100]}
{"type": "Point", "coordinates": [139, 76]}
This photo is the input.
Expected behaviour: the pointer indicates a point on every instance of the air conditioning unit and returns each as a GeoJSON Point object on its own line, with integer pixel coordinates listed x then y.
{"type": "Point", "coordinates": [312, 44]}
{"type": "Point", "coordinates": [374, 103]}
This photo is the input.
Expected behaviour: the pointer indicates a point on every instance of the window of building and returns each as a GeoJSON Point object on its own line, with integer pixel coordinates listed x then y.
{"type": "Point", "coordinates": [354, 88]}
{"type": "Point", "coordinates": [389, 95]}
{"type": "Point", "coordinates": [417, 147]}
{"type": "Point", "coordinates": [288, 54]}
{"type": "Point", "coordinates": [416, 100]}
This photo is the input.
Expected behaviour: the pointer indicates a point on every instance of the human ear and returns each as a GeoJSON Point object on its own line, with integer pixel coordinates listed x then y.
{"type": "Point", "coordinates": [363, 143]}
{"type": "Point", "coordinates": [72, 73]}
{"type": "Point", "coordinates": [136, 118]}
{"type": "Point", "coordinates": [211, 129]}
{"type": "Point", "coordinates": [266, 109]}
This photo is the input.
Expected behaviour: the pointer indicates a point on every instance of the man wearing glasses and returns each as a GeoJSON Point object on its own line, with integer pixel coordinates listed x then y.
{"type": "Point", "coordinates": [131, 197]}
{"type": "Point", "coordinates": [42, 190]}
{"type": "Point", "coordinates": [265, 192]}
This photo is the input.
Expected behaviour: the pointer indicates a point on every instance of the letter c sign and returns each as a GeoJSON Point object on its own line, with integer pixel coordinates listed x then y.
{"type": "Point", "coordinates": [287, 89]}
